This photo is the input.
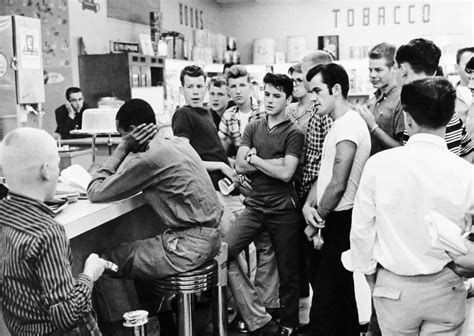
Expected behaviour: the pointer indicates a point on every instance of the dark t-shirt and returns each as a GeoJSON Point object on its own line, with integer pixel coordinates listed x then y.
{"type": "Point", "coordinates": [196, 124]}
{"type": "Point", "coordinates": [283, 139]}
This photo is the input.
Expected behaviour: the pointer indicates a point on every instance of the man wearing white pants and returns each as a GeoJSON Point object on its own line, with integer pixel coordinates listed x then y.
{"type": "Point", "coordinates": [414, 291]}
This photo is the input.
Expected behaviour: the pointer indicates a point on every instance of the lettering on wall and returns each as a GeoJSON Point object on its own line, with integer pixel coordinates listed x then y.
{"type": "Point", "coordinates": [382, 15]}
{"type": "Point", "coordinates": [191, 16]}
{"type": "Point", "coordinates": [90, 5]}
{"type": "Point", "coordinates": [137, 11]}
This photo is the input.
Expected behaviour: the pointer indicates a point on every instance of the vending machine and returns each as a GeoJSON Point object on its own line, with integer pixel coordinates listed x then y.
{"type": "Point", "coordinates": [21, 73]}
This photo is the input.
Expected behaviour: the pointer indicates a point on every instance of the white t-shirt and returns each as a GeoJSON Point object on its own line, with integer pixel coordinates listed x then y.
{"type": "Point", "coordinates": [244, 120]}
{"type": "Point", "coordinates": [350, 127]}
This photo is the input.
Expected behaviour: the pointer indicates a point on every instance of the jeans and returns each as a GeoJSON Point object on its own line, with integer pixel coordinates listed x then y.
{"type": "Point", "coordinates": [277, 214]}
{"type": "Point", "coordinates": [266, 276]}
{"type": "Point", "coordinates": [174, 251]}
{"type": "Point", "coordinates": [251, 297]}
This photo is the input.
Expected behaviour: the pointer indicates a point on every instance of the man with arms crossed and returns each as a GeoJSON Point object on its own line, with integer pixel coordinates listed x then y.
{"type": "Point", "coordinates": [329, 203]}
{"type": "Point", "coordinates": [414, 291]}
{"type": "Point", "coordinates": [40, 295]}
{"type": "Point", "coordinates": [269, 152]}
{"type": "Point", "coordinates": [231, 130]}
{"type": "Point", "coordinates": [193, 123]}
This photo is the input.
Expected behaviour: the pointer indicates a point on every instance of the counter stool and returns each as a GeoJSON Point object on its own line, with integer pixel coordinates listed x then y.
{"type": "Point", "coordinates": [211, 275]}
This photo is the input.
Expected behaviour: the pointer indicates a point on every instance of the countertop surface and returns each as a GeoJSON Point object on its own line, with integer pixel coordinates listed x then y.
{"type": "Point", "coordinates": [82, 216]}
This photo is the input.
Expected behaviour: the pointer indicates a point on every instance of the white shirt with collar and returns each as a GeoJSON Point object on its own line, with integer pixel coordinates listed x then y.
{"type": "Point", "coordinates": [398, 188]}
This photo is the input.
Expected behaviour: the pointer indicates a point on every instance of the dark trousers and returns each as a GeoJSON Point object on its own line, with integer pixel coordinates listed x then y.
{"type": "Point", "coordinates": [305, 248]}
{"type": "Point", "coordinates": [334, 310]}
{"type": "Point", "coordinates": [278, 215]}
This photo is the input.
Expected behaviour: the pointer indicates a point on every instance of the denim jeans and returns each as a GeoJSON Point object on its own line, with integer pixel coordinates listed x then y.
{"type": "Point", "coordinates": [174, 251]}
{"type": "Point", "coordinates": [266, 280]}
{"type": "Point", "coordinates": [278, 215]}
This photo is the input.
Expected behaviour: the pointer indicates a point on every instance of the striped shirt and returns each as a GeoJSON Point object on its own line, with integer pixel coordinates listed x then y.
{"type": "Point", "coordinates": [40, 295]}
{"type": "Point", "coordinates": [457, 139]}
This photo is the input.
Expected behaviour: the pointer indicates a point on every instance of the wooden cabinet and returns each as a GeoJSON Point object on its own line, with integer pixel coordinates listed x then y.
{"type": "Point", "coordinates": [114, 75]}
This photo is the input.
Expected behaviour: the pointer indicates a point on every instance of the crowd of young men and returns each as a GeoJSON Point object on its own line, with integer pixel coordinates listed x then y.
{"type": "Point", "coordinates": [368, 179]}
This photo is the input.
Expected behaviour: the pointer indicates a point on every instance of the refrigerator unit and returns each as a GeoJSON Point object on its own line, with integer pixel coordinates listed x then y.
{"type": "Point", "coordinates": [21, 73]}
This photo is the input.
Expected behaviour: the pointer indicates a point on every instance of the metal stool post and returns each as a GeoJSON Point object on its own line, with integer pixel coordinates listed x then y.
{"type": "Point", "coordinates": [219, 294]}
{"type": "Point", "coordinates": [185, 313]}
{"type": "Point", "coordinates": [211, 275]}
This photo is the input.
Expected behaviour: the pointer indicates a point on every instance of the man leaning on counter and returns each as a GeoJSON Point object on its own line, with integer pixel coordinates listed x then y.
{"type": "Point", "coordinates": [175, 183]}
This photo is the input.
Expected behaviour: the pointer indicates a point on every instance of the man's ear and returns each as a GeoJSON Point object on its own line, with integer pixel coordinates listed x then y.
{"type": "Point", "coordinates": [45, 171]}
{"type": "Point", "coordinates": [289, 99]}
{"type": "Point", "coordinates": [131, 128]}
{"type": "Point", "coordinates": [337, 90]}
{"type": "Point", "coordinates": [406, 68]}
{"type": "Point", "coordinates": [408, 120]}
{"type": "Point", "coordinates": [181, 90]}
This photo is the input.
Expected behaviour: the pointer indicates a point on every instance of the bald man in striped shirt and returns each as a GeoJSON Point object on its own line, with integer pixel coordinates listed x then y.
{"type": "Point", "coordinates": [40, 295]}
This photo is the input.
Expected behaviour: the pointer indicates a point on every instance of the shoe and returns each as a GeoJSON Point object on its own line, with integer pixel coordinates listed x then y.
{"type": "Point", "coordinates": [238, 325]}
{"type": "Point", "coordinates": [269, 329]}
{"type": "Point", "coordinates": [274, 312]}
{"type": "Point", "coordinates": [283, 332]}
{"type": "Point", "coordinates": [168, 324]}
{"type": "Point", "coordinates": [304, 329]}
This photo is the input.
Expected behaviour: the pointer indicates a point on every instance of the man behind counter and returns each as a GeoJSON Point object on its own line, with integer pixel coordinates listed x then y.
{"type": "Point", "coordinates": [69, 115]}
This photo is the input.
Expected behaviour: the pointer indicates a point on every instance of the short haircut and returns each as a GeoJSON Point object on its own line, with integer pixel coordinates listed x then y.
{"type": "Point", "coordinates": [331, 75]}
{"type": "Point", "coordinates": [237, 71]}
{"type": "Point", "coordinates": [429, 101]}
{"type": "Point", "coordinates": [422, 55]}
{"type": "Point", "coordinates": [317, 57]}
{"type": "Point", "coordinates": [470, 66]}
{"type": "Point", "coordinates": [384, 50]}
{"type": "Point", "coordinates": [217, 81]}
{"type": "Point", "coordinates": [280, 81]}
{"type": "Point", "coordinates": [135, 112]}
{"type": "Point", "coordinates": [71, 90]}
{"type": "Point", "coordinates": [192, 71]}
{"type": "Point", "coordinates": [295, 68]}
{"type": "Point", "coordinates": [462, 51]}
{"type": "Point", "coordinates": [226, 66]}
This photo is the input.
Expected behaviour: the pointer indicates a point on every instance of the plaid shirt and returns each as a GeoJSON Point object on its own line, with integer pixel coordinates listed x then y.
{"type": "Point", "coordinates": [229, 128]}
{"type": "Point", "coordinates": [318, 127]}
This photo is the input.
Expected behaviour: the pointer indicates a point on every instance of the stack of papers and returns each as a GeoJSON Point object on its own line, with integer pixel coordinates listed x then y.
{"type": "Point", "coordinates": [74, 179]}
{"type": "Point", "coordinates": [445, 234]}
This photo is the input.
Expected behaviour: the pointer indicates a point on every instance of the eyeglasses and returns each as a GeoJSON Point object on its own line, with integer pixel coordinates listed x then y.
{"type": "Point", "coordinates": [297, 81]}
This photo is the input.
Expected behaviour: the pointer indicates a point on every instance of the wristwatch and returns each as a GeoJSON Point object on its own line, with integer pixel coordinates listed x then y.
{"type": "Point", "coordinates": [249, 157]}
